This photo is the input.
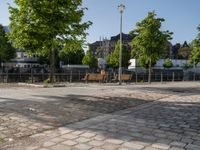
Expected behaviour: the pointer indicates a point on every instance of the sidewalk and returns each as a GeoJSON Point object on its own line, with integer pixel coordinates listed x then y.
{"type": "Point", "coordinates": [167, 124]}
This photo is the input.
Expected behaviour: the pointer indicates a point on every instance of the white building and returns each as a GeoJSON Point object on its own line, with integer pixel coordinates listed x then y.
{"type": "Point", "coordinates": [23, 60]}
{"type": "Point", "coordinates": [177, 64]}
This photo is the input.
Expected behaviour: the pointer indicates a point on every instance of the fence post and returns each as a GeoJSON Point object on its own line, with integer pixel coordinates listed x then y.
{"type": "Point", "coordinates": [70, 76]}
{"type": "Point", "coordinates": [79, 75]}
{"type": "Point", "coordinates": [173, 77]}
{"type": "Point", "coordinates": [161, 77]}
{"type": "Point", "coordinates": [7, 76]}
{"type": "Point", "coordinates": [143, 77]}
{"type": "Point", "coordinates": [31, 75]}
{"type": "Point", "coordinates": [194, 76]}
{"type": "Point", "coordinates": [19, 74]}
{"type": "Point", "coordinates": [136, 77]}
{"type": "Point", "coordinates": [178, 76]}
{"type": "Point", "coordinates": [86, 81]}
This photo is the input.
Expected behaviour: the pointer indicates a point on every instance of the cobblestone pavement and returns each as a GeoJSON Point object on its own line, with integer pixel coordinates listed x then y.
{"type": "Point", "coordinates": [137, 117]}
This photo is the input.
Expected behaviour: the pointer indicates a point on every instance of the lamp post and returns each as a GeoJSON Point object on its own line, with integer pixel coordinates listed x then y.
{"type": "Point", "coordinates": [121, 8]}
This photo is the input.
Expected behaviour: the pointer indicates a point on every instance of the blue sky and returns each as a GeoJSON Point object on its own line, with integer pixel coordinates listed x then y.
{"type": "Point", "coordinates": [181, 16]}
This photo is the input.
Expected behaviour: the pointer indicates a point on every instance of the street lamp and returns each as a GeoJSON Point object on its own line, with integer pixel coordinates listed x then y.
{"type": "Point", "coordinates": [121, 8]}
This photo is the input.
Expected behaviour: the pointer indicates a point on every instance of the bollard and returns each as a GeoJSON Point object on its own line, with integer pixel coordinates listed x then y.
{"type": "Point", "coordinates": [71, 76]}
{"type": "Point", "coordinates": [161, 77]}
{"type": "Point", "coordinates": [173, 77]}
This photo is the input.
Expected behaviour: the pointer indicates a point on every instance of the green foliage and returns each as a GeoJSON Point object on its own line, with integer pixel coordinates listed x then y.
{"type": "Point", "coordinates": [188, 65]}
{"type": "Point", "coordinates": [43, 26]}
{"type": "Point", "coordinates": [168, 63]}
{"type": "Point", "coordinates": [70, 55]}
{"type": "Point", "coordinates": [150, 41]}
{"type": "Point", "coordinates": [39, 25]}
{"type": "Point", "coordinates": [47, 81]}
{"type": "Point", "coordinates": [7, 52]}
{"type": "Point", "coordinates": [195, 58]}
{"type": "Point", "coordinates": [89, 59]}
{"type": "Point", "coordinates": [113, 58]}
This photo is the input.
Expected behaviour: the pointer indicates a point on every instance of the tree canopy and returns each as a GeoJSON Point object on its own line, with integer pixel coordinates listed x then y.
{"type": "Point", "coordinates": [42, 26]}
{"type": "Point", "coordinates": [168, 63]}
{"type": "Point", "coordinates": [89, 59]}
{"type": "Point", "coordinates": [113, 58]}
{"type": "Point", "coordinates": [150, 41]}
{"type": "Point", "coordinates": [7, 52]}
{"type": "Point", "coordinates": [71, 56]}
{"type": "Point", "coordinates": [195, 58]}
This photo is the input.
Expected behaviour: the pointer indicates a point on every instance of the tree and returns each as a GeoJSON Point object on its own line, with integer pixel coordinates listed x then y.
{"type": "Point", "coordinates": [70, 56]}
{"type": "Point", "coordinates": [90, 59]}
{"type": "Point", "coordinates": [150, 41]}
{"type": "Point", "coordinates": [113, 58]}
{"type": "Point", "coordinates": [195, 57]}
{"type": "Point", "coordinates": [43, 26]}
{"type": "Point", "coordinates": [7, 52]}
{"type": "Point", "coordinates": [168, 63]}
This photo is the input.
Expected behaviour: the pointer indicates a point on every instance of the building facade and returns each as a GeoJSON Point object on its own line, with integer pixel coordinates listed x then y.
{"type": "Point", "coordinates": [23, 60]}
{"type": "Point", "coordinates": [104, 47]}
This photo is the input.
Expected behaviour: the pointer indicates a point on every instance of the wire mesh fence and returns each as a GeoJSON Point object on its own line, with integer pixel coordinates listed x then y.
{"type": "Point", "coordinates": [36, 75]}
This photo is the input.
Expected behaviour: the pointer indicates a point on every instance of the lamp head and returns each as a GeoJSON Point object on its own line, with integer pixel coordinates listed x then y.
{"type": "Point", "coordinates": [121, 8]}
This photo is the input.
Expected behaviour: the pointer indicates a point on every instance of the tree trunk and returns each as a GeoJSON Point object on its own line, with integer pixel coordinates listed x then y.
{"type": "Point", "coordinates": [149, 77]}
{"type": "Point", "coordinates": [52, 66]}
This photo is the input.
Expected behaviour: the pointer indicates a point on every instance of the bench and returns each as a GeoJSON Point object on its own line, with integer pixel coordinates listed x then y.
{"type": "Point", "coordinates": [124, 77]}
{"type": "Point", "coordinates": [93, 77]}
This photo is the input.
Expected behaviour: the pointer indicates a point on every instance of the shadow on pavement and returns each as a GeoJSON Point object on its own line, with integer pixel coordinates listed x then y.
{"type": "Point", "coordinates": [162, 122]}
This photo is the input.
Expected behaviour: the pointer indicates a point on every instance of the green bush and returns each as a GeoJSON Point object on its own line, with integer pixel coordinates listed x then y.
{"type": "Point", "coordinates": [168, 63]}
{"type": "Point", "coordinates": [187, 66]}
{"type": "Point", "coordinates": [47, 81]}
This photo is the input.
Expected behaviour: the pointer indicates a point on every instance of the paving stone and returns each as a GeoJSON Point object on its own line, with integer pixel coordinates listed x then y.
{"type": "Point", "coordinates": [123, 148]}
{"type": "Point", "coordinates": [82, 139]}
{"type": "Point", "coordinates": [99, 138]}
{"type": "Point", "coordinates": [97, 148]}
{"type": "Point", "coordinates": [176, 148]}
{"type": "Point", "coordinates": [60, 147]}
{"type": "Point", "coordinates": [57, 140]}
{"type": "Point", "coordinates": [83, 147]}
{"type": "Point", "coordinates": [96, 143]}
{"type": "Point", "coordinates": [186, 140]}
{"type": "Point", "coordinates": [64, 130]}
{"type": "Point", "coordinates": [161, 146]}
{"type": "Point", "coordinates": [133, 145]}
{"type": "Point", "coordinates": [69, 136]}
{"type": "Point", "coordinates": [178, 144]}
{"type": "Point", "coordinates": [77, 132]}
{"type": "Point", "coordinates": [70, 142]}
{"type": "Point", "coordinates": [48, 144]}
{"type": "Point", "coordinates": [110, 146]}
{"type": "Point", "coordinates": [193, 147]}
{"type": "Point", "coordinates": [32, 148]}
{"type": "Point", "coordinates": [88, 135]}
{"type": "Point", "coordinates": [114, 141]}
{"type": "Point", "coordinates": [151, 148]}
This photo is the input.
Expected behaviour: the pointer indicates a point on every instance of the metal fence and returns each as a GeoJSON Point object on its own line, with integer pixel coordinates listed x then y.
{"type": "Point", "coordinates": [33, 76]}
